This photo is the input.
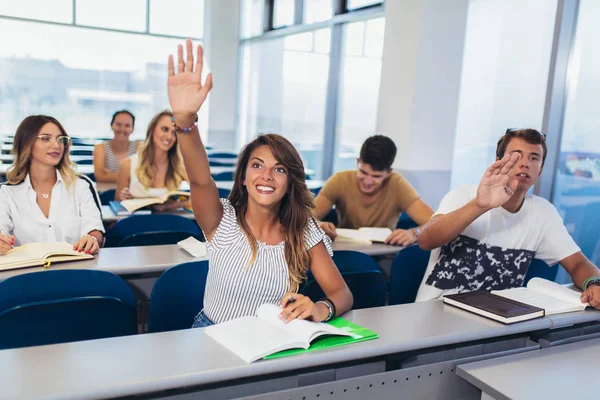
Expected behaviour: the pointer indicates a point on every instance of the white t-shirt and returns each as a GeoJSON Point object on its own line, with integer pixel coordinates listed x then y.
{"type": "Point", "coordinates": [495, 251]}
{"type": "Point", "coordinates": [135, 186]}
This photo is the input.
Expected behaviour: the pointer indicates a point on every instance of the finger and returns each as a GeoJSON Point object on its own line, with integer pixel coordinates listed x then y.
{"type": "Point", "coordinates": [89, 244]}
{"type": "Point", "coordinates": [510, 163]}
{"type": "Point", "coordinates": [189, 64]}
{"type": "Point", "coordinates": [76, 246]}
{"type": "Point", "coordinates": [501, 164]}
{"type": "Point", "coordinates": [6, 239]}
{"type": "Point", "coordinates": [286, 299]}
{"type": "Point", "coordinates": [207, 85]}
{"type": "Point", "coordinates": [5, 247]}
{"type": "Point", "coordinates": [305, 314]}
{"type": "Point", "coordinates": [171, 65]}
{"type": "Point", "coordinates": [292, 316]}
{"type": "Point", "coordinates": [95, 247]}
{"type": "Point", "coordinates": [584, 297]}
{"type": "Point", "coordinates": [490, 171]}
{"type": "Point", "coordinates": [180, 63]}
{"type": "Point", "coordinates": [200, 61]}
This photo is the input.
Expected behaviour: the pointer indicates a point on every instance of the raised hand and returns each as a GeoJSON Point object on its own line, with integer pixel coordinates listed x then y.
{"type": "Point", "coordinates": [186, 91]}
{"type": "Point", "coordinates": [495, 188]}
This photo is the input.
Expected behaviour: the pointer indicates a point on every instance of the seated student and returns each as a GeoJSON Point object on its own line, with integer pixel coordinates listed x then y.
{"type": "Point", "coordinates": [372, 195]}
{"type": "Point", "coordinates": [484, 237]}
{"type": "Point", "coordinates": [44, 199]}
{"type": "Point", "coordinates": [263, 239]}
{"type": "Point", "coordinates": [109, 154]}
{"type": "Point", "coordinates": [157, 168]}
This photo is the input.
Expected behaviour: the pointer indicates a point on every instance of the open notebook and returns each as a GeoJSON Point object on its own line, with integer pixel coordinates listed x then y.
{"type": "Point", "coordinates": [365, 235]}
{"type": "Point", "coordinates": [132, 205]}
{"type": "Point", "coordinates": [252, 338]}
{"type": "Point", "coordinates": [38, 254]}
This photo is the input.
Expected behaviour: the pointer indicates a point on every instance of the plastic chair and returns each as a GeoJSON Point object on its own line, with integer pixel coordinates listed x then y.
{"type": "Point", "coordinates": [407, 271]}
{"type": "Point", "coordinates": [107, 196]}
{"type": "Point", "coordinates": [539, 269]}
{"type": "Point", "coordinates": [85, 162]}
{"type": "Point", "coordinates": [63, 306]}
{"type": "Point", "coordinates": [223, 176]}
{"type": "Point", "coordinates": [222, 154]}
{"type": "Point", "coordinates": [331, 216]}
{"type": "Point", "coordinates": [224, 193]}
{"type": "Point", "coordinates": [91, 176]}
{"type": "Point", "coordinates": [137, 224]}
{"type": "Point", "coordinates": [86, 152]}
{"type": "Point", "coordinates": [219, 164]}
{"type": "Point", "coordinates": [405, 222]}
{"type": "Point", "coordinates": [177, 297]}
{"type": "Point", "coordinates": [155, 238]}
{"type": "Point", "coordinates": [368, 288]}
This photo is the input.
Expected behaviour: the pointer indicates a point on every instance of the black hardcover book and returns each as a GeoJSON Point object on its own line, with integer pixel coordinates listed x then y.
{"type": "Point", "coordinates": [494, 307]}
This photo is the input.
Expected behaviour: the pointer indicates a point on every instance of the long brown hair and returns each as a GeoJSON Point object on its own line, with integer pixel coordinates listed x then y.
{"type": "Point", "coordinates": [145, 171]}
{"type": "Point", "coordinates": [295, 209]}
{"type": "Point", "coordinates": [25, 137]}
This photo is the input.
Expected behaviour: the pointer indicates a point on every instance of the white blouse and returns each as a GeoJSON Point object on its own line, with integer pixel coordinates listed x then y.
{"type": "Point", "coordinates": [74, 212]}
{"type": "Point", "coordinates": [135, 186]}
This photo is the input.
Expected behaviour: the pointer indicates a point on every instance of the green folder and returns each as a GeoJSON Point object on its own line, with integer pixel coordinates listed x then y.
{"type": "Point", "coordinates": [359, 334]}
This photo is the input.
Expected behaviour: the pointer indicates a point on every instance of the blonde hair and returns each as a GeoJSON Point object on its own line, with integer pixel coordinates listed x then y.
{"type": "Point", "coordinates": [25, 137]}
{"type": "Point", "coordinates": [145, 171]}
{"type": "Point", "coordinates": [295, 209]}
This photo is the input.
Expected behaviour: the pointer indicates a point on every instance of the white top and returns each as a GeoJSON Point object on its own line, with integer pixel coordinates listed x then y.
{"type": "Point", "coordinates": [235, 290]}
{"type": "Point", "coordinates": [495, 251]}
{"type": "Point", "coordinates": [135, 186]}
{"type": "Point", "coordinates": [73, 213]}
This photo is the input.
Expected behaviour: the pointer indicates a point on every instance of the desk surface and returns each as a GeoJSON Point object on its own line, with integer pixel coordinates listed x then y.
{"type": "Point", "coordinates": [109, 216]}
{"type": "Point", "coordinates": [559, 372]}
{"type": "Point", "coordinates": [153, 362]}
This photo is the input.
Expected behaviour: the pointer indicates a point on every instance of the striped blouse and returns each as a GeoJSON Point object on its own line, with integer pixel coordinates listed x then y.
{"type": "Point", "coordinates": [234, 290]}
{"type": "Point", "coordinates": [111, 163]}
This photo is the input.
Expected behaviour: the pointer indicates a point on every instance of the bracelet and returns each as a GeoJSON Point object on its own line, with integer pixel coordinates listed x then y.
{"type": "Point", "coordinates": [589, 281]}
{"type": "Point", "coordinates": [184, 130]}
{"type": "Point", "coordinates": [328, 307]}
{"type": "Point", "coordinates": [328, 300]}
{"type": "Point", "coordinates": [92, 236]}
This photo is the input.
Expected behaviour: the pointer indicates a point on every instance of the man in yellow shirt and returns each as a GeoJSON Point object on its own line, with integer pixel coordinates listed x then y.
{"type": "Point", "coordinates": [372, 195]}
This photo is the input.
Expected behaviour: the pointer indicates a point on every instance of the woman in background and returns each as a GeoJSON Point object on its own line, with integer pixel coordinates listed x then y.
{"type": "Point", "coordinates": [44, 199]}
{"type": "Point", "coordinates": [156, 169]}
{"type": "Point", "coordinates": [109, 154]}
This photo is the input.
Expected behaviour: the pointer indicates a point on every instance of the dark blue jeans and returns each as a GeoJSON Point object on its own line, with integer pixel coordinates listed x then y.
{"type": "Point", "coordinates": [202, 321]}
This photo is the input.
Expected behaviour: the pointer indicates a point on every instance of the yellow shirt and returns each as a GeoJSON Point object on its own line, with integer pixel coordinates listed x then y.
{"type": "Point", "coordinates": [395, 196]}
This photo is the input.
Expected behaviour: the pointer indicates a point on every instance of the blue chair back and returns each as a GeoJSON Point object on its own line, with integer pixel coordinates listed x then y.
{"type": "Point", "coordinates": [222, 154]}
{"type": "Point", "coordinates": [177, 297]}
{"type": "Point", "coordinates": [369, 288]}
{"type": "Point", "coordinates": [85, 162]}
{"type": "Point", "coordinates": [155, 238]}
{"type": "Point", "coordinates": [212, 163]}
{"type": "Point", "coordinates": [407, 271]}
{"type": "Point", "coordinates": [64, 305]}
{"type": "Point", "coordinates": [223, 176]}
{"type": "Point", "coordinates": [331, 216]}
{"type": "Point", "coordinates": [224, 193]}
{"type": "Point", "coordinates": [137, 224]}
{"type": "Point", "coordinates": [91, 176]}
{"type": "Point", "coordinates": [539, 269]}
{"type": "Point", "coordinates": [107, 196]}
{"type": "Point", "coordinates": [405, 222]}
{"type": "Point", "coordinates": [82, 152]}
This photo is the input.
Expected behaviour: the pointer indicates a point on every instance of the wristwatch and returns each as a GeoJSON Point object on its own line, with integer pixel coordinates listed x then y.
{"type": "Point", "coordinates": [595, 281]}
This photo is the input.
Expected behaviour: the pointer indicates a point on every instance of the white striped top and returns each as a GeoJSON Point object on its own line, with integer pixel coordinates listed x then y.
{"type": "Point", "coordinates": [234, 290]}
{"type": "Point", "coordinates": [111, 163]}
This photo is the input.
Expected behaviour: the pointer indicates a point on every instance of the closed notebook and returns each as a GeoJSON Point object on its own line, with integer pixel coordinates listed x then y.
{"type": "Point", "coordinates": [38, 254]}
{"type": "Point", "coordinates": [495, 307]}
{"type": "Point", "coordinates": [365, 235]}
{"type": "Point", "coordinates": [132, 205]}
{"type": "Point", "coordinates": [252, 338]}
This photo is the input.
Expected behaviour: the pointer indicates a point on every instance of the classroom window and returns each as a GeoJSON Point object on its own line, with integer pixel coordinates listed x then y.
{"type": "Point", "coordinates": [354, 4]}
{"type": "Point", "coordinates": [317, 10]}
{"type": "Point", "coordinates": [284, 84]}
{"type": "Point", "coordinates": [251, 18]}
{"type": "Point", "coordinates": [359, 89]}
{"type": "Point", "coordinates": [504, 79]}
{"type": "Point", "coordinates": [127, 15]}
{"type": "Point", "coordinates": [577, 183]}
{"type": "Point", "coordinates": [83, 80]}
{"type": "Point", "coordinates": [55, 11]}
{"type": "Point", "coordinates": [189, 23]}
{"type": "Point", "coordinates": [283, 14]}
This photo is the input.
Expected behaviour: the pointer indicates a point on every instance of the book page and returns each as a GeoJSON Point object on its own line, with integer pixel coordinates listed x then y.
{"type": "Point", "coordinates": [554, 289]}
{"type": "Point", "coordinates": [375, 234]}
{"type": "Point", "coordinates": [551, 305]}
{"type": "Point", "coordinates": [301, 330]}
{"type": "Point", "coordinates": [251, 338]}
{"type": "Point", "coordinates": [135, 204]}
{"type": "Point", "coordinates": [32, 254]}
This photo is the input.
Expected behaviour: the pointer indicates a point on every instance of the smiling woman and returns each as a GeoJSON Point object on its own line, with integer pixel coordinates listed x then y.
{"type": "Point", "coordinates": [66, 208]}
{"type": "Point", "coordinates": [263, 239]}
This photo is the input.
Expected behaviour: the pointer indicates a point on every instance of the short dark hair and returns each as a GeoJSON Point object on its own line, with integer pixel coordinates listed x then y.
{"type": "Point", "coordinates": [529, 135]}
{"type": "Point", "coordinates": [379, 152]}
{"type": "Point", "coordinates": [112, 121]}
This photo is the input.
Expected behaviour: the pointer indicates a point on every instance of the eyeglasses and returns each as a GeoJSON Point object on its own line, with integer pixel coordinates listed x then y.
{"type": "Point", "coordinates": [48, 140]}
{"type": "Point", "coordinates": [509, 130]}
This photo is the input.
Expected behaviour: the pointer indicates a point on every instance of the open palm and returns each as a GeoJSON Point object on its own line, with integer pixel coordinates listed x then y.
{"type": "Point", "coordinates": [186, 91]}
{"type": "Point", "coordinates": [495, 189]}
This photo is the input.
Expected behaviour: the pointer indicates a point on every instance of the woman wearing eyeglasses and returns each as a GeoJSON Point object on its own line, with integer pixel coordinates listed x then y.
{"type": "Point", "coordinates": [44, 199]}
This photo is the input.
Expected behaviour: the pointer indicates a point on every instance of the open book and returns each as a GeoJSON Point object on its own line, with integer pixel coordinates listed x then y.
{"type": "Point", "coordinates": [542, 293]}
{"type": "Point", "coordinates": [132, 205]}
{"type": "Point", "coordinates": [252, 338]}
{"type": "Point", "coordinates": [366, 235]}
{"type": "Point", "coordinates": [38, 254]}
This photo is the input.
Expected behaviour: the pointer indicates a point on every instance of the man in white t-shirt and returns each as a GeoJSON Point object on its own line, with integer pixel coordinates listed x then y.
{"type": "Point", "coordinates": [485, 236]}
